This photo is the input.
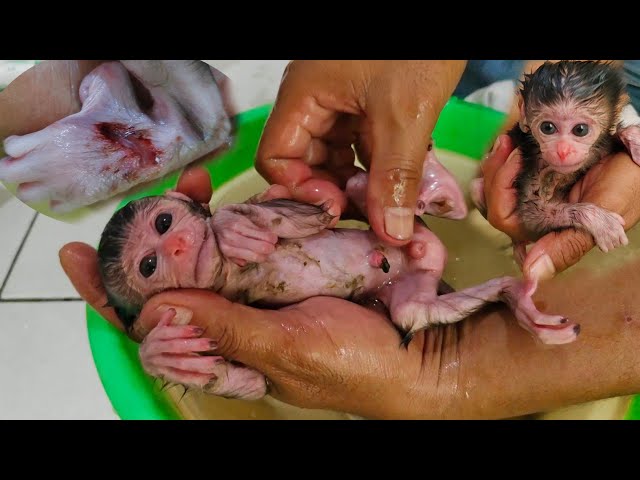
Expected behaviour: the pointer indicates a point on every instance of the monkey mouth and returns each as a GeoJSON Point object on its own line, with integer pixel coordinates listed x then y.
{"type": "Point", "coordinates": [567, 167]}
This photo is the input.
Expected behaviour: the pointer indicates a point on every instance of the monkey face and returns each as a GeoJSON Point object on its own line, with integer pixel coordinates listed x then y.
{"type": "Point", "coordinates": [566, 134]}
{"type": "Point", "coordinates": [170, 246]}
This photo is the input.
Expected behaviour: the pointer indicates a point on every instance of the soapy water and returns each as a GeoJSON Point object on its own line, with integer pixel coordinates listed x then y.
{"type": "Point", "coordinates": [476, 253]}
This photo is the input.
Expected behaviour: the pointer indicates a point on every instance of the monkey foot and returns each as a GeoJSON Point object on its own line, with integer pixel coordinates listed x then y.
{"type": "Point", "coordinates": [549, 329]}
{"type": "Point", "coordinates": [122, 137]}
{"type": "Point", "coordinates": [550, 334]}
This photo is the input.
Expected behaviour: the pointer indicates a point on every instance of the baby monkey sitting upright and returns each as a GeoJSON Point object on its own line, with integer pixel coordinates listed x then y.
{"type": "Point", "coordinates": [572, 115]}
{"type": "Point", "coordinates": [272, 252]}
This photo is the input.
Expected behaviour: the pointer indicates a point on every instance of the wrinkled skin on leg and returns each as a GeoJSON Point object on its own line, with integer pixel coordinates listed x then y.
{"type": "Point", "coordinates": [140, 119]}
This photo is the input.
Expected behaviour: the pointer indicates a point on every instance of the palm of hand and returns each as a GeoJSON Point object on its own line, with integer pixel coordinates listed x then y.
{"type": "Point", "coordinates": [345, 352]}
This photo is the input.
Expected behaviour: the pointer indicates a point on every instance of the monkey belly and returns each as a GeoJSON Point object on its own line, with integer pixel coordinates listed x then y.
{"type": "Point", "coordinates": [334, 263]}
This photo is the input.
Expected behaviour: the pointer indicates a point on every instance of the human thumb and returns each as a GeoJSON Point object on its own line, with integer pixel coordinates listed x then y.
{"type": "Point", "coordinates": [242, 333]}
{"type": "Point", "coordinates": [555, 252]}
{"type": "Point", "coordinates": [397, 158]}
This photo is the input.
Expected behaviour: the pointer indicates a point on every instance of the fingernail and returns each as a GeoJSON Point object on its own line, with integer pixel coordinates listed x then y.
{"type": "Point", "coordinates": [398, 222]}
{"type": "Point", "coordinates": [183, 315]}
{"type": "Point", "coordinates": [542, 268]}
{"type": "Point", "coordinates": [213, 345]}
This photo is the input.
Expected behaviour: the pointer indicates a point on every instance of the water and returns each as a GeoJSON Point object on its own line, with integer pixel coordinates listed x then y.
{"type": "Point", "coordinates": [477, 253]}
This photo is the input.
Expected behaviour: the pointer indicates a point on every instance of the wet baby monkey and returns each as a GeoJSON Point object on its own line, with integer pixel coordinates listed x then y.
{"type": "Point", "coordinates": [572, 115]}
{"type": "Point", "coordinates": [272, 251]}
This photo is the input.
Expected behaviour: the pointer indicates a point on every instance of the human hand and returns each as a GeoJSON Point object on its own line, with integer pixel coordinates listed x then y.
{"type": "Point", "coordinates": [386, 109]}
{"type": "Point", "coordinates": [328, 353]}
{"type": "Point", "coordinates": [333, 354]}
{"type": "Point", "coordinates": [611, 184]}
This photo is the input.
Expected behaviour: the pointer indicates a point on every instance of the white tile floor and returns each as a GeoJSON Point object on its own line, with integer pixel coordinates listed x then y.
{"type": "Point", "coordinates": [46, 367]}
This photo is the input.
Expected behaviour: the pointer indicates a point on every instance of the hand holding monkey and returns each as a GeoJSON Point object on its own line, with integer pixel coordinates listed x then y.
{"type": "Point", "coordinates": [375, 379]}
{"type": "Point", "coordinates": [600, 186]}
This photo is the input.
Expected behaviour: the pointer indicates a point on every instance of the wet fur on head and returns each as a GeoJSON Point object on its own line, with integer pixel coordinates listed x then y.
{"type": "Point", "coordinates": [127, 302]}
{"type": "Point", "coordinates": [583, 83]}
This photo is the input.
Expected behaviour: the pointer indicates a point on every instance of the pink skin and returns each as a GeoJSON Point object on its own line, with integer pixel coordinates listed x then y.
{"type": "Point", "coordinates": [306, 259]}
{"type": "Point", "coordinates": [439, 194]}
{"type": "Point", "coordinates": [112, 145]}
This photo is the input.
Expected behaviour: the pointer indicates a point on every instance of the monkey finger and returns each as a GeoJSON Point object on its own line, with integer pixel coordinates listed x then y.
{"type": "Point", "coordinates": [241, 231]}
{"type": "Point", "coordinates": [170, 332]}
{"type": "Point", "coordinates": [193, 345]}
{"type": "Point", "coordinates": [184, 362]}
{"type": "Point", "coordinates": [245, 334]}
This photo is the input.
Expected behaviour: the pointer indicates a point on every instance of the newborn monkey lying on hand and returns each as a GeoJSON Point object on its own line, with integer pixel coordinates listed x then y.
{"type": "Point", "coordinates": [272, 252]}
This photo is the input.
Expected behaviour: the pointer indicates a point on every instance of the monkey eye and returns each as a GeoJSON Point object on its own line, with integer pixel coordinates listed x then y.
{"type": "Point", "coordinates": [430, 147]}
{"type": "Point", "coordinates": [580, 130]}
{"type": "Point", "coordinates": [148, 265]}
{"type": "Point", "coordinates": [548, 128]}
{"type": "Point", "coordinates": [163, 222]}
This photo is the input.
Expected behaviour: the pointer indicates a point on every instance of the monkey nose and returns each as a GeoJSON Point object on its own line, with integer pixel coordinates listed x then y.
{"type": "Point", "coordinates": [175, 245]}
{"type": "Point", "coordinates": [564, 150]}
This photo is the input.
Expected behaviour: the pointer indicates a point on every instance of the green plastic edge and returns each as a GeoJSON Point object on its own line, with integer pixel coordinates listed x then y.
{"type": "Point", "coordinates": [463, 127]}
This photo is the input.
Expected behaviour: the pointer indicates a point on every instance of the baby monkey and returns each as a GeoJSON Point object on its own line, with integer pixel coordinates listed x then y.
{"type": "Point", "coordinates": [271, 252]}
{"type": "Point", "coordinates": [572, 115]}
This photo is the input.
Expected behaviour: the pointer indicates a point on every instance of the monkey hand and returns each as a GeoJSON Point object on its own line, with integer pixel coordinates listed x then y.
{"type": "Point", "coordinates": [179, 354]}
{"type": "Point", "coordinates": [610, 185]}
{"type": "Point", "coordinates": [248, 232]}
{"type": "Point", "coordinates": [136, 124]}
{"type": "Point", "coordinates": [607, 228]}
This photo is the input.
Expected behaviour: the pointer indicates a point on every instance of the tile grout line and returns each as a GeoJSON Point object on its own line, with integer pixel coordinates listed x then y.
{"type": "Point", "coordinates": [15, 258]}
{"type": "Point", "coordinates": [38, 300]}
